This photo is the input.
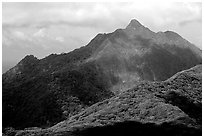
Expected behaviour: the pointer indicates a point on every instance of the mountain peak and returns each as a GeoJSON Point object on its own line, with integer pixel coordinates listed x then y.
{"type": "Point", "coordinates": [29, 59]}
{"type": "Point", "coordinates": [135, 28]}
{"type": "Point", "coordinates": [172, 35]}
{"type": "Point", "coordinates": [134, 24]}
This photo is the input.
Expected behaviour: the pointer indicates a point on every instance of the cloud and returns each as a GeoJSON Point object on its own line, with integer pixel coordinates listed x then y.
{"type": "Point", "coordinates": [71, 25]}
{"type": "Point", "coordinates": [96, 15]}
{"type": "Point", "coordinates": [51, 14]}
{"type": "Point", "coordinates": [6, 41]}
{"type": "Point", "coordinates": [185, 22]}
{"type": "Point", "coordinates": [40, 33]}
{"type": "Point", "coordinates": [20, 35]}
{"type": "Point", "coordinates": [194, 14]}
{"type": "Point", "coordinates": [60, 39]}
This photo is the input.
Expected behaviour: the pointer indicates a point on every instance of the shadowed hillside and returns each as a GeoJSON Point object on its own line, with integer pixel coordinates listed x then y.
{"type": "Point", "coordinates": [42, 92]}
{"type": "Point", "coordinates": [171, 107]}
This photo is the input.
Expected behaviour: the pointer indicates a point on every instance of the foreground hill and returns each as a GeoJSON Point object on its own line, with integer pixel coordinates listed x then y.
{"type": "Point", "coordinates": [171, 107]}
{"type": "Point", "coordinates": [42, 92]}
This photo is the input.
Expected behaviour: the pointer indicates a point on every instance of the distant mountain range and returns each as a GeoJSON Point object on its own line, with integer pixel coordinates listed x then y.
{"type": "Point", "coordinates": [43, 92]}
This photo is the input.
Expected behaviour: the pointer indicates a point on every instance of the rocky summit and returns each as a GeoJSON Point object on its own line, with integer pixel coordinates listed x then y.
{"type": "Point", "coordinates": [43, 92]}
{"type": "Point", "coordinates": [171, 107]}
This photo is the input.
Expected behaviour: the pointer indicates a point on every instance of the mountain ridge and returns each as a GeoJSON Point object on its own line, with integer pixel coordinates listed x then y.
{"type": "Point", "coordinates": [133, 22]}
{"type": "Point", "coordinates": [163, 108]}
{"type": "Point", "coordinates": [69, 83]}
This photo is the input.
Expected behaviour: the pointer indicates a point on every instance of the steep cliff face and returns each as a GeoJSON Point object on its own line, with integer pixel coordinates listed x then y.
{"type": "Point", "coordinates": [111, 63]}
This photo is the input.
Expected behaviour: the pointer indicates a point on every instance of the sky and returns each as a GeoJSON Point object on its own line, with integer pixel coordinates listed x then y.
{"type": "Point", "coordinates": [44, 28]}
